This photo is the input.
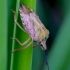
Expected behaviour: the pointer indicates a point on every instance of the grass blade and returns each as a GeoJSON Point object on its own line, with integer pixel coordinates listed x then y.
{"type": "Point", "coordinates": [21, 60]}
{"type": "Point", "coordinates": [14, 33]}
{"type": "Point", "coordinates": [3, 35]}
{"type": "Point", "coordinates": [59, 56]}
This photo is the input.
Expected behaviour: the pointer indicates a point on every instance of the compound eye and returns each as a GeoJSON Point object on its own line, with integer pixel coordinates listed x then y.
{"type": "Point", "coordinates": [46, 37]}
{"type": "Point", "coordinates": [40, 44]}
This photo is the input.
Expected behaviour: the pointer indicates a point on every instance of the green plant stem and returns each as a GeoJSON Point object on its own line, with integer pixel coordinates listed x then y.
{"type": "Point", "coordinates": [22, 60]}
{"type": "Point", "coordinates": [14, 33]}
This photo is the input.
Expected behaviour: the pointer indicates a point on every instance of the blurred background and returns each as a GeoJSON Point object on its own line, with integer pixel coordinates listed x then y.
{"type": "Point", "coordinates": [55, 15]}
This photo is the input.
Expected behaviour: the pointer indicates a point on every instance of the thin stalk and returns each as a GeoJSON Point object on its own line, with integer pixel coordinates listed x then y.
{"type": "Point", "coordinates": [14, 33]}
{"type": "Point", "coordinates": [11, 5]}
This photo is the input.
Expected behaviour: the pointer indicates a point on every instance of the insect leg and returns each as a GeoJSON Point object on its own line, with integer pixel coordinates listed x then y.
{"type": "Point", "coordinates": [16, 21]}
{"type": "Point", "coordinates": [22, 48]}
{"type": "Point", "coordinates": [35, 46]}
{"type": "Point", "coordinates": [20, 42]}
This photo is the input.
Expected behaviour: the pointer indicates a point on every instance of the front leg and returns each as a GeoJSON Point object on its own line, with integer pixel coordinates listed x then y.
{"type": "Point", "coordinates": [17, 22]}
{"type": "Point", "coordinates": [36, 44]}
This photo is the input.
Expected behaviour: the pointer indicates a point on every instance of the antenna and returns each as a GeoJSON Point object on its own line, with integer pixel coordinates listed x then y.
{"type": "Point", "coordinates": [46, 59]}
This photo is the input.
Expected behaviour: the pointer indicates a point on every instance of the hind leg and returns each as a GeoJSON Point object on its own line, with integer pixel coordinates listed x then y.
{"type": "Point", "coordinates": [22, 48]}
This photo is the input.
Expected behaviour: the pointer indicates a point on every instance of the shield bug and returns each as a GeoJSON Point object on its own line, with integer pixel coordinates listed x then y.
{"type": "Point", "coordinates": [33, 26]}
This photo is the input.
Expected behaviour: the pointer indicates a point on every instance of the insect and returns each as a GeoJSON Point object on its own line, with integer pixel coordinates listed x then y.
{"type": "Point", "coordinates": [33, 26]}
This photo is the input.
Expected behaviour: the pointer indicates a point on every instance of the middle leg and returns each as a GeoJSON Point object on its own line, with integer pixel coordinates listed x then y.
{"type": "Point", "coordinates": [20, 42]}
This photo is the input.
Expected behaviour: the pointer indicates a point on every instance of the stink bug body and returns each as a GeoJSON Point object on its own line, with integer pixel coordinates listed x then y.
{"type": "Point", "coordinates": [33, 26]}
